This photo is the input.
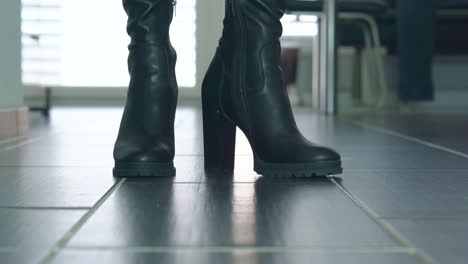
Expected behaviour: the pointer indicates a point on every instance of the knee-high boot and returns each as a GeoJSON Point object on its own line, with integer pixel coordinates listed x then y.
{"type": "Point", "coordinates": [243, 87]}
{"type": "Point", "coordinates": [145, 143]}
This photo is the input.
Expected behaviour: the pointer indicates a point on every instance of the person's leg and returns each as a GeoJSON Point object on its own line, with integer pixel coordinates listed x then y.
{"type": "Point", "coordinates": [416, 37]}
{"type": "Point", "coordinates": [244, 87]}
{"type": "Point", "coordinates": [145, 144]}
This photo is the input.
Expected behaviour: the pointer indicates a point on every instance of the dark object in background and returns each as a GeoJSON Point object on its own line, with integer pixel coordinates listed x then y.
{"type": "Point", "coordinates": [289, 64]}
{"type": "Point", "coordinates": [416, 24]}
{"type": "Point", "coordinates": [420, 29]}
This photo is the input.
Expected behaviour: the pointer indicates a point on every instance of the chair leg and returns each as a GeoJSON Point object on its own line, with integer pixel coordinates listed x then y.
{"type": "Point", "coordinates": [374, 34]}
{"type": "Point", "coordinates": [379, 59]}
{"type": "Point", "coordinates": [316, 73]}
{"type": "Point", "coordinates": [365, 75]}
{"type": "Point", "coordinates": [323, 69]}
{"type": "Point", "coordinates": [367, 35]}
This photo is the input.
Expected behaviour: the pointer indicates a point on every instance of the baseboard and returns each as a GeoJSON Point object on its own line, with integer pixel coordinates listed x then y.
{"type": "Point", "coordinates": [14, 122]}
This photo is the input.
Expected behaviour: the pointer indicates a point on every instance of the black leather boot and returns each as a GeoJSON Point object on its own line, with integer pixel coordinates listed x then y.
{"type": "Point", "coordinates": [145, 144]}
{"type": "Point", "coordinates": [243, 87]}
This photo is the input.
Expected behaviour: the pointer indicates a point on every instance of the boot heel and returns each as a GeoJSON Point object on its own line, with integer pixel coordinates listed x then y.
{"type": "Point", "coordinates": [219, 140]}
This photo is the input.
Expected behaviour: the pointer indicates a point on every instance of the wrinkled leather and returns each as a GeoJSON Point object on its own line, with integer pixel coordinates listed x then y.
{"type": "Point", "coordinates": [247, 76]}
{"type": "Point", "coordinates": [146, 131]}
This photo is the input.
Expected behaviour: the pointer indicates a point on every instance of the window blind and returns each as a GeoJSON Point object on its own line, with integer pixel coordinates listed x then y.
{"type": "Point", "coordinates": [83, 43]}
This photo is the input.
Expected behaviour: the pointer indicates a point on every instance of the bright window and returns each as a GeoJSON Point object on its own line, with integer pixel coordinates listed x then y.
{"type": "Point", "coordinates": [84, 43]}
{"type": "Point", "coordinates": [299, 25]}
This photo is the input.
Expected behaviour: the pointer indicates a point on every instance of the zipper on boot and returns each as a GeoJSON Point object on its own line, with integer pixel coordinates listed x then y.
{"type": "Point", "coordinates": [239, 71]}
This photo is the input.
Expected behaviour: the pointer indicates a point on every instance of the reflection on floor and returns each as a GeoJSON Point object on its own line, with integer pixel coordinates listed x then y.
{"type": "Point", "coordinates": [403, 197]}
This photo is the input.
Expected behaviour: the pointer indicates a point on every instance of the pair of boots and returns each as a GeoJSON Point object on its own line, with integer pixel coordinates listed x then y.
{"type": "Point", "coordinates": [243, 87]}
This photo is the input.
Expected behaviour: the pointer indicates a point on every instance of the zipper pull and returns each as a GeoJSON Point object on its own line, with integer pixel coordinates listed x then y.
{"type": "Point", "coordinates": [174, 3]}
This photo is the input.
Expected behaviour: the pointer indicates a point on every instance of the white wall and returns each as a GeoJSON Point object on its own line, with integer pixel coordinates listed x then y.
{"type": "Point", "coordinates": [11, 90]}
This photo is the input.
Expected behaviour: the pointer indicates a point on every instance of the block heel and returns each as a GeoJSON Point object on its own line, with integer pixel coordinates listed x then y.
{"type": "Point", "coordinates": [219, 140]}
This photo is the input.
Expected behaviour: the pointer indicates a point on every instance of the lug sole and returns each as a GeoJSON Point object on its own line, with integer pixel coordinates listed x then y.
{"type": "Point", "coordinates": [311, 169]}
{"type": "Point", "coordinates": [144, 169]}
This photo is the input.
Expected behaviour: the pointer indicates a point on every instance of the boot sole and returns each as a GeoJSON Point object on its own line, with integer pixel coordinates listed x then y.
{"type": "Point", "coordinates": [144, 169]}
{"type": "Point", "coordinates": [311, 169]}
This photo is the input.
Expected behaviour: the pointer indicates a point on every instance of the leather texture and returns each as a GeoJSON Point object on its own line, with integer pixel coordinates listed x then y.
{"type": "Point", "coordinates": [246, 75]}
{"type": "Point", "coordinates": [146, 132]}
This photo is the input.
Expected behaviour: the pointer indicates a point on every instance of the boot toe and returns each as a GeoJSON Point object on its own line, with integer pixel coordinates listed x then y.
{"type": "Point", "coordinates": [138, 162]}
{"type": "Point", "coordinates": [159, 153]}
{"type": "Point", "coordinates": [319, 153]}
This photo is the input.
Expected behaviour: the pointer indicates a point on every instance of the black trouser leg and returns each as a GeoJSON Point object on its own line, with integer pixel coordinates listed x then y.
{"type": "Point", "coordinates": [416, 35]}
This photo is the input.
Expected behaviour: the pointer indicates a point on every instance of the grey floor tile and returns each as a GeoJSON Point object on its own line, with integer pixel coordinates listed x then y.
{"type": "Point", "coordinates": [450, 130]}
{"type": "Point", "coordinates": [23, 256]}
{"type": "Point", "coordinates": [460, 145]}
{"type": "Point", "coordinates": [347, 137]}
{"type": "Point", "coordinates": [39, 128]}
{"type": "Point", "coordinates": [67, 162]}
{"type": "Point", "coordinates": [53, 156]}
{"type": "Point", "coordinates": [245, 256]}
{"type": "Point", "coordinates": [29, 234]}
{"type": "Point", "coordinates": [411, 194]}
{"type": "Point", "coordinates": [91, 145]}
{"type": "Point", "coordinates": [31, 228]}
{"type": "Point", "coordinates": [430, 159]}
{"type": "Point", "coordinates": [189, 169]}
{"type": "Point", "coordinates": [267, 213]}
{"type": "Point", "coordinates": [445, 240]}
{"type": "Point", "coordinates": [53, 186]}
{"type": "Point", "coordinates": [75, 155]}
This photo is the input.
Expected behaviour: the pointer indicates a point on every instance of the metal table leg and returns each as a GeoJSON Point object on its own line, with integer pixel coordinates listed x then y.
{"type": "Point", "coordinates": [328, 92]}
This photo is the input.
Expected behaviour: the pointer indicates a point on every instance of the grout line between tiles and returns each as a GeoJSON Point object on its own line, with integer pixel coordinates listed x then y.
{"type": "Point", "coordinates": [22, 143]}
{"type": "Point", "coordinates": [384, 224]}
{"type": "Point", "coordinates": [253, 249]}
{"type": "Point", "coordinates": [10, 140]}
{"type": "Point", "coordinates": [424, 218]}
{"type": "Point", "coordinates": [53, 252]}
{"type": "Point", "coordinates": [409, 138]}
{"type": "Point", "coordinates": [44, 208]}
{"type": "Point", "coordinates": [28, 141]}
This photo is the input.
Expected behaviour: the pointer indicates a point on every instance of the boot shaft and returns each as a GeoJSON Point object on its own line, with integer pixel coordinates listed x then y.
{"type": "Point", "coordinates": [248, 59]}
{"type": "Point", "coordinates": [148, 20]}
{"type": "Point", "coordinates": [150, 49]}
{"type": "Point", "coordinates": [256, 20]}
{"type": "Point", "coordinates": [146, 131]}
{"type": "Point", "coordinates": [153, 88]}
{"type": "Point", "coordinates": [250, 44]}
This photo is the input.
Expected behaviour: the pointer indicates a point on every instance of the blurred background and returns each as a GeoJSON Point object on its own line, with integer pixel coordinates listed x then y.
{"type": "Point", "coordinates": [74, 52]}
{"type": "Point", "coordinates": [383, 82]}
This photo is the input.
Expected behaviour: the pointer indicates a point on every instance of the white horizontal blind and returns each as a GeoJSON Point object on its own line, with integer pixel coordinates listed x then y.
{"type": "Point", "coordinates": [41, 41]}
{"type": "Point", "coordinates": [83, 43]}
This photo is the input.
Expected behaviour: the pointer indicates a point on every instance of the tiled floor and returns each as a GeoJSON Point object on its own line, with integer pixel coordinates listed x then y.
{"type": "Point", "coordinates": [403, 197]}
